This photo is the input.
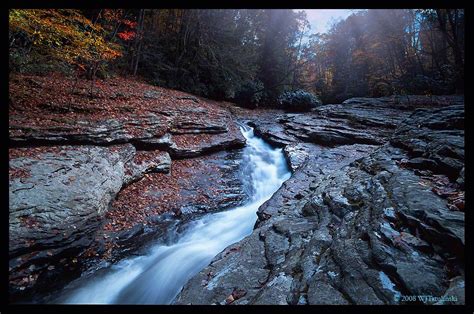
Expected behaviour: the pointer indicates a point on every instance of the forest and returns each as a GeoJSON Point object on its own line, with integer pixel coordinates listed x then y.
{"type": "Point", "coordinates": [250, 57]}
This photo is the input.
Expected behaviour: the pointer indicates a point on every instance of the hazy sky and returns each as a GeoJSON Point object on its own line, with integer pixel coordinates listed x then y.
{"type": "Point", "coordinates": [321, 19]}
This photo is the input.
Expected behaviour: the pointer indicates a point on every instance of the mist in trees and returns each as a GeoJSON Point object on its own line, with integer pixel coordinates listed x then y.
{"type": "Point", "coordinates": [385, 52]}
{"type": "Point", "coordinates": [223, 54]}
{"type": "Point", "coordinates": [248, 56]}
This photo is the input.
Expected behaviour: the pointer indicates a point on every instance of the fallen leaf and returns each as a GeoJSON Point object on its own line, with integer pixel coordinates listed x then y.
{"type": "Point", "coordinates": [229, 299]}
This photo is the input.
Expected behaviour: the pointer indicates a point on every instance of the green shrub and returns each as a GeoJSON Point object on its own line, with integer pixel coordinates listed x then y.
{"type": "Point", "coordinates": [250, 94]}
{"type": "Point", "coordinates": [298, 101]}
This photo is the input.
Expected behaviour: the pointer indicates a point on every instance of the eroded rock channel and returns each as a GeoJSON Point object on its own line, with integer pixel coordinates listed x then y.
{"type": "Point", "coordinates": [159, 273]}
{"type": "Point", "coordinates": [374, 208]}
{"type": "Point", "coordinates": [89, 187]}
{"type": "Point", "coordinates": [374, 215]}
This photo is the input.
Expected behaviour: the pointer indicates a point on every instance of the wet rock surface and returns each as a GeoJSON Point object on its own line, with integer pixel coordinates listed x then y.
{"type": "Point", "coordinates": [356, 120]}
{"type": "Point", "coordinates": [357, 223]}
{"type": "Point", "coordinates": [374, 209]}
{"type": "Point", "coordinates": [184, 133]}
{"type": "Point", "coordinates": [189, 188]}
{"type": "Point", "coordinates": [106, 208]}
{"type": "Point", "coordinates": [187, 145]}
{"type": "Point", "coordinates": [93, 180]}
{"type": "Point", "coordinates": [68, 187]}
{"type": "Point", "coordinates": [434, 140]}
{"type": "Point", "coordinates": [57, 202]}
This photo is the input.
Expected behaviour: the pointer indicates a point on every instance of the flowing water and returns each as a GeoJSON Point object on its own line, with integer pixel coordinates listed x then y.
{"type": "Point", "coordinates": [158, 276]}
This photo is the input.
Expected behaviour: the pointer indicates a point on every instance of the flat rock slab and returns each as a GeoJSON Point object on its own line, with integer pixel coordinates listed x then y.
{"type": "Point", "coordinates": [82, 131]}
{"type": "Point", "coordinates": [192, 145]}
{"type": "Point", "coordinates": [437, 136]}
{"type": "Point", "coordinates": [410, 101]}
{"type": "Point", "coordinates": [356, 120]}
{"type": "Point", "coordinates": [332, 125]}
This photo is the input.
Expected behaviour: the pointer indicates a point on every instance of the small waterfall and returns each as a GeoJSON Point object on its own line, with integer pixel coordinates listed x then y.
{"type": "Point", "coordinates": [158, 277]}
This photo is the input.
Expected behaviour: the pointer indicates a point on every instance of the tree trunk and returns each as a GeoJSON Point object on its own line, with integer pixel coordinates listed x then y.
{"type": "Point", "coordinates": [445, 16]}
{"type": "Point", "coordinates": [138, 42]}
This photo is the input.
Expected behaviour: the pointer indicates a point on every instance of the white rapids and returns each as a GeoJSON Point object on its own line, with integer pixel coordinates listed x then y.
{"type": "Point", "coordinates": [159, 276]}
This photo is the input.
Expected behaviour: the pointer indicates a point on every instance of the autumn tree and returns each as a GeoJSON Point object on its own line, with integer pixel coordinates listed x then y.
{"type": "Point", "coordinates": [248, 56]}
{"type": "Point", "coordinates": [58, 40]}
{"type": "Point", "coordinates": [207, 52]}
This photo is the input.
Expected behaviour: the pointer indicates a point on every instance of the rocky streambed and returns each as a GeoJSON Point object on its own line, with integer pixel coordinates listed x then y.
{"type": "Point", "coordinates": [89, 187]}
{"type": "Point", "coordinates": [373, 213]}
{"type": "Point", "coordinates": [374, 208]}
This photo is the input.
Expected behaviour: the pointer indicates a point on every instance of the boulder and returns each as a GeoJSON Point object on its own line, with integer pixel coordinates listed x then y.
{"type": "Point", "coordinates": [57, 205]}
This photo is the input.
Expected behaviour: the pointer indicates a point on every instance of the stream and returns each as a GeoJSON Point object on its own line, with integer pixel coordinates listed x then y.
{"type": "Point", "coordinates": [158, 276]}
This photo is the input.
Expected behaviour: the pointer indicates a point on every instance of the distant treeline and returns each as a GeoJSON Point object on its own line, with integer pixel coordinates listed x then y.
{"type": "Point", "coordinates": [385, 52]}
{"type": "Point", "coordinates": [248, 56]}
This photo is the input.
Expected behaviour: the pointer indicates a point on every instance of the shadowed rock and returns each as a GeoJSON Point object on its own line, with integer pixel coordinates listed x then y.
{"type": "Point", "coordinates": [355, 224]}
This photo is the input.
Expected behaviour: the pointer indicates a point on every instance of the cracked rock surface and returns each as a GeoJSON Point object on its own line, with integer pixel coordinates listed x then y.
{"type": "Point", "coordinates": [357, 223]}
{"type": "Point", "coordinates": [58, 199]}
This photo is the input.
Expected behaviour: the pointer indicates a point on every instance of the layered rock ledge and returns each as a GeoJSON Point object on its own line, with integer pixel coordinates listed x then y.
{"type": "Point", "coordinates": [95, 177]}
{"type": "Point", "coordinates": [374, 210]}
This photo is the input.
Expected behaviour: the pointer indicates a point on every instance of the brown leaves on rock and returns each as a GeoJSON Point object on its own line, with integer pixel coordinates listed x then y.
{"type": "Point", "coordinates": [48, 101]}
{"type": "Point", "coordinates": [456, 201]}
{"type": "Point", "coordinates": [402, 163]}
{"type": "Point", "coordinates": [444, 191]}
{"type": "Point", "coordinates": [23, 278]}
{"type": "Point", "coordinates": [145, 156]}
{"type": "Point", "coordinates": [29, 221]}
{"type": "Point", "coordinates": [18, 173]}
{"type": "Point", "coordinates": [235, 295]}
{"type": "Point", "coordinates": [34, 152]}
{"type": "Point", "coordinates": [157, 193]}
{"type": "Point", "coordinates": [441, 186]}
{"type": "Point", "coordinates": [208, 278]}
{"type": "Point", "coordinates": [229, 299]}
{"type": "Point", "coordinates": [232, 250]}
{"type": "Point", "coordinates": [190, 140]}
